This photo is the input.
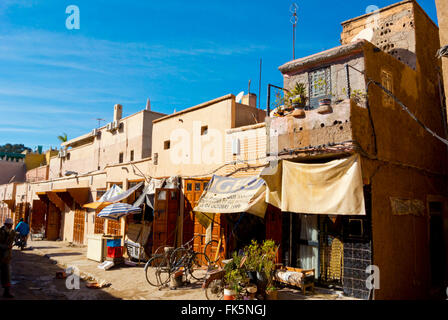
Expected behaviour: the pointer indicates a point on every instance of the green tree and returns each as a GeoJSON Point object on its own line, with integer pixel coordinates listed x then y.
{"type": "Point", "coordinates": [63, 137]}
{"type": "Point", "coordinates": [14, 148]}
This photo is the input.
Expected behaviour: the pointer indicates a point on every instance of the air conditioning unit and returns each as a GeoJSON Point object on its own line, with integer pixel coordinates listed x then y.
{"type": "Point", "coordinates": [109, 126]}
{"type": "Point", "coordinates": [95, 132]}
{"type": "Point", "coordinates": [62, 153]}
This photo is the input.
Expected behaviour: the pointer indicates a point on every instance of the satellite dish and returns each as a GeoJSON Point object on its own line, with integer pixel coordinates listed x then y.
{"type": "Point", "coordinates": [239, 97]}
{"type": "Point", "coordinates": [366, 34]}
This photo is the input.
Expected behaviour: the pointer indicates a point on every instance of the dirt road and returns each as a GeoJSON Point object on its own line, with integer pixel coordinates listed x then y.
{"type": "Point", "coordinates": [33, 272]}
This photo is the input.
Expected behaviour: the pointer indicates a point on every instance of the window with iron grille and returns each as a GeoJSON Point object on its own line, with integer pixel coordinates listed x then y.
{"type": "Point", "coordinates": [319, 86]}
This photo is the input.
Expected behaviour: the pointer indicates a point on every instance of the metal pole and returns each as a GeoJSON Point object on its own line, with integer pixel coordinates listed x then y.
{"type": "Point", "coordinates": [293, 41]}
{"type": "Point", "coordinates": [347, 74]}
{"type": "Point", "coordinates": [268, 107]}
{"type": "Point", "coordinates": [293, 20]}
{"type": "Point", "coordinates": [259, 88]}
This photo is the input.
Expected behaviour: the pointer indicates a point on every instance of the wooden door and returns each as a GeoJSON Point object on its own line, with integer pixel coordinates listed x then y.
{"type": "Point", "coordinates": [273, 220]}
{"type": "Point", "coordinates": [99, 225]}
{"type": "Point", "coordinates": [38, 216]}
{"type": "Point", "coordinates": [53, 222]}
{"type": "Point", "coordinates": [166, 210]}
{"type": "Point", "coordinates": [193, 190]}
{"type": "Point", "coordinates": [114, 227]}
{"type": "Point", "coordinates": [99, 222]}
{"type": "Point", "coordinates": [218, 233]}
{"type": "Point", "coordinates": [18, 213]}
{"type": "Point", "coordinates": [78, 225]}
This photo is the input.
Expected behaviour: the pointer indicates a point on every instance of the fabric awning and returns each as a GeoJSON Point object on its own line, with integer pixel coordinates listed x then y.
{"type": "Point", "coordinates": [114, 194]}
{"type": "Point", "coordinates": [231, 195]}
{"type": "Point", "coordinates": [148, 193]}
{"type": "Point", "coordinates": [103, 201]}
{"type": "Point", "coordinates": [117, 210]}
{"type": "Point", "coordinates": [335, 187]}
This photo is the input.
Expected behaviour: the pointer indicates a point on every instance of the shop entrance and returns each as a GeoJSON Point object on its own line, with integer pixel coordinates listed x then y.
{"type": "Point", "coordinates": [78, 225]}
{"type": "Point", "coordinates": [53, 222]}
{"type": "Point", "coordinates": [242, 228]}
{"type": "Point", "coordinates": [331, 250]}
{"type": "Point", "coordinates": [314, 242]}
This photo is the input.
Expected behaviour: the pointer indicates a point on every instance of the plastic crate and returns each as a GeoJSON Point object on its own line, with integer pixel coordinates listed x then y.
{"type": "Point", "coordinates": [114, 243]}
{"type": "Point", "coordinates": [115, 252]}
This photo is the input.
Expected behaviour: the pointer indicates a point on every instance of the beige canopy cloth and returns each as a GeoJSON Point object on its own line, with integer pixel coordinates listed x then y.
{"type": "Point", "coordinates": [335, 187]}
{"type": "Point", "coordinates": [231, 195]}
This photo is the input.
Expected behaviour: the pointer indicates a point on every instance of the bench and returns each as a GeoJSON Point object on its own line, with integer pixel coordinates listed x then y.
{"type": "Point", "coordinates": [296, 277]}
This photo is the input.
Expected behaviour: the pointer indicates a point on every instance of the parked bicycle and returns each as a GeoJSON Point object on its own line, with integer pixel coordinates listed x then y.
{"type": "Point", "coordinates": [166, 261]}
{"type": "Point", "coordinates": [157, 269]}
{"type": "Point", "coordinates": [194, 263]}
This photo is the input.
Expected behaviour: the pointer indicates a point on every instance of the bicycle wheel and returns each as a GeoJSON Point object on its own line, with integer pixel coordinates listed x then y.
{"type": "Point", "coordinates": [210, 252]}
{"type": "Point", "coordinates": [215, 290]}
{"type": "Point", "coordinates": [198, 266]}
{"type": "Point", "coordinates": [157, 271]}
{"type": "Point", "coordinates": [178, 259]}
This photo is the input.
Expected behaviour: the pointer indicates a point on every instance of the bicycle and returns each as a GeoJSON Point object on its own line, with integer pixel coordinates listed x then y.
{"type": "Point", "coordinates": [213, 252]}
{"type": "Point", "coordinates": [194, 263]}
{"type": "Point", "coordinates": [158, 269]}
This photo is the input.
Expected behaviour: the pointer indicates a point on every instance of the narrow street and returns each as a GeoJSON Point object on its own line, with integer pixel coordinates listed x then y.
{"type": "Point", "coordinates": [33, 274]}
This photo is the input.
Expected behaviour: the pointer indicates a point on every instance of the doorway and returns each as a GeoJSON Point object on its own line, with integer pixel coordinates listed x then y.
{"type": "Point", "coordinates": [78, 225]}
{"type": "Point", "coordinates": [53, 222]}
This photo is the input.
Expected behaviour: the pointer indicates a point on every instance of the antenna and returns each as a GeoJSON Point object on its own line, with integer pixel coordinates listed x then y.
{"type": "Point", "coordinates": [248, 88]}
{"type": "Point", "coordinates": [99, 121]}
{"type": "Point", "coordinates": [259, 87]}
{"type": "Point", "coordinates": [239, 96]}
{"type": "Point", "coordinates": [293, 20]}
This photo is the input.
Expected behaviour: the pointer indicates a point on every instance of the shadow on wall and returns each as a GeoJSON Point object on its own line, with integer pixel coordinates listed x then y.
{"type": "Point", "coordinates": [407, 57]}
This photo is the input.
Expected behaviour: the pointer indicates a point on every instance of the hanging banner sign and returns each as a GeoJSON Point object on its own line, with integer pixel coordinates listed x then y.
{"type": "Point", "coordinates": [232, 195]}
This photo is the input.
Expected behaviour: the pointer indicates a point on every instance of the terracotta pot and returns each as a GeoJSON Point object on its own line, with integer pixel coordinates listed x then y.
{"type": "Point", "coordinates": [324, 109]}
{"type": "Point", "coordinates": [229, 294]}
{"type": "Point", "coordinates": [324, 102]}
{"type": "Point", "coordinates": [298, 113]}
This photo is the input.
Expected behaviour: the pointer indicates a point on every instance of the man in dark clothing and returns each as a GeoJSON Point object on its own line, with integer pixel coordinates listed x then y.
{"type": "Point", "coordinates": [7, 235]}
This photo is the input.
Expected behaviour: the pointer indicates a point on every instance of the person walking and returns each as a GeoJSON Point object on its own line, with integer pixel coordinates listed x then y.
{"type": "Point", "coordinates": [7, 235]}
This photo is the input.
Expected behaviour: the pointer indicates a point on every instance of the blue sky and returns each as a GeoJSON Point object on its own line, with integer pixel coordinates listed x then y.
{"type": "Point", "coordinates": [177, 53]}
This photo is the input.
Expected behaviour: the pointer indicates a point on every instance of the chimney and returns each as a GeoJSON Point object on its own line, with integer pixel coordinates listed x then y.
{"type": "Point", "coordinates": [148, 105]}
{"type": "Point", "coordinates": [250, 100]}
{"type": "Point", "coordinates": [118, 112]}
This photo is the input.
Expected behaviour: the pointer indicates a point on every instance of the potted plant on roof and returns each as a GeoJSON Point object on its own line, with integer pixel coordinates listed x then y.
{"type": "Point", "coordinates": [297, 96]}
